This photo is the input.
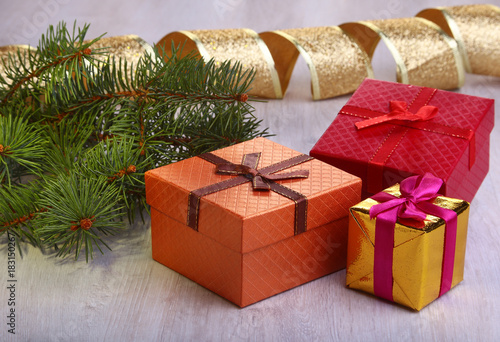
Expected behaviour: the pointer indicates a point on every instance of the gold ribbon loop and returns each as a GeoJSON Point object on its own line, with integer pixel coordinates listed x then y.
{"type": "Point", "coordinates": [336, 63]}
{"type": "Point", "coordinates": [12, 51]}
{"type": "Point", "coordinates": [476, 29]}
{"type": "Point", "coordinates": [425, 55]}
{"type": "Point", "coordinates": [129, 47]}
{"type": "Point", "coordinates": [242, 45]}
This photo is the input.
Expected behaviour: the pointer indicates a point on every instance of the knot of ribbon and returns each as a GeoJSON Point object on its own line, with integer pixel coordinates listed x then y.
{"type": "Point", "coordinates": [399, 111]}
{"type": "Point", "coordinates": [416, 201]}
{"type": "Point", "coordinates": [260, 179]}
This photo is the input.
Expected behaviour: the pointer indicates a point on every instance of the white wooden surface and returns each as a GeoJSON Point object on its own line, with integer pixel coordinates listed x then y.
{"type": "Point", "coordinates": [126, 296]}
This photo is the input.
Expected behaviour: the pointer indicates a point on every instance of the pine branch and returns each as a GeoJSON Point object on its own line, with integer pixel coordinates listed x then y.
{"type": "Point", "coordinates": [19, 210]}
{"type": "Point", "coordinates": [64, 145]}
{"type": "Point", "coordinates": [87, 129]}
{"type": "Point", "coordinates": [80, 211]}
{"type": "Point", "coordinates": [38, 72]}
{"type": "Point", "coordinates": [21, 151]}
{"type": "Point", "coordinates": [59, 54]}
{"type": "Point", "coordinates": [119, 160]}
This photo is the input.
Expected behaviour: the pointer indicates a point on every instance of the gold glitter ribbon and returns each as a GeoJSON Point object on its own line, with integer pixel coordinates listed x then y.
{"type": "Point", "coordinates": [476, 29]}
{"type": "Point", "coordinates": [243, 45]}
{"type": "Point", "coordinates": [12, 51]}
{"type": "Point", "coordinates": [129, 47]}
{"type": "Point", "coordinates": [329, 53]}
{"type": "Point", "coordinates": [433, 49]}
{"type": "Point", "coordinates": [425, 55]}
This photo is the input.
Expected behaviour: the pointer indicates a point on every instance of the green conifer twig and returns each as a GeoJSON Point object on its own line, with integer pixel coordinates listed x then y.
{"type": "Point", "coordinates": [83, 132]}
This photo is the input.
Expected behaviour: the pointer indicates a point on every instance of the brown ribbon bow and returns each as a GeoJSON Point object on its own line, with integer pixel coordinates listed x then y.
{"type": "Point", "coordinates": [262, 179]}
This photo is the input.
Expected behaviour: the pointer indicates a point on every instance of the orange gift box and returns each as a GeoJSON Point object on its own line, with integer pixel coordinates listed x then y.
{"type": "Point", "coordinates": [213, 223]}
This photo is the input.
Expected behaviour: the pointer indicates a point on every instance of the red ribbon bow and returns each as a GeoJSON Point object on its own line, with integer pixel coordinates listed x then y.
{"type": "Point", "coordinates": [417, 195]}
{"type": "Point", "coordinates": [399, 111]}
{"type": "Point", "coordinates": [260, 179]}
{"type": "Point", "coordinates": [401, 116]}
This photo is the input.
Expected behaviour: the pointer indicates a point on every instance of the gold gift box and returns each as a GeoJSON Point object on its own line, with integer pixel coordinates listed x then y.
{"type": "Point", "coordinates": [417, 254]}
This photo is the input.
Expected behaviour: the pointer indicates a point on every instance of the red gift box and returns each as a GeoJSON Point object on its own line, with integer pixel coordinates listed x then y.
{"type": "Point", "coordinates": [389, 131]}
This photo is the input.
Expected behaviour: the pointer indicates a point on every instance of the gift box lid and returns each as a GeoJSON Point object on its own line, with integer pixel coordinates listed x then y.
{"type": "Point", "coordinates": [406, 229]}
{"type": "Point", "coordinates": [245, 219]}
{"type": "Point", "coordinates": [460, 128]}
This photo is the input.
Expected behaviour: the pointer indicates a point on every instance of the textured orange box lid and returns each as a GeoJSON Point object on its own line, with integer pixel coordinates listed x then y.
{"type": "Point", "coordinates": [244, 219]}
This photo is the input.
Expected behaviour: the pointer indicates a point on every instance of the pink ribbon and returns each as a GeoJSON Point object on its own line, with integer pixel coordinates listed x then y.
{"type": "Point", "coordinates": [398, 111]}
{"type": "Point", "coordinates": [417, 195]}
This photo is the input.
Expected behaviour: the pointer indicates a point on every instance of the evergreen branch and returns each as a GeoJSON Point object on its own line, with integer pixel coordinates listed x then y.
{"type": "Point", "coordinates": [58, 53]}
{"type": "Point", "coordinates": [80, 212]}
{"type": "Point", "coordinates": [36, 73]}
{"type": "Point", "coordinates": [64, 145]}
{"type": "Point", "coordinates": [20, 148]}
{"type": "Point", "coordinates": [120, 161]}
{"type": "Point", "coordinates": [19, 210]}
{"type": "Point", "coordinates": [88, 129]}
{"type": "Point", "coordinates": [19, 220]}
{"type": "Point", "coordinates": [153, 94]}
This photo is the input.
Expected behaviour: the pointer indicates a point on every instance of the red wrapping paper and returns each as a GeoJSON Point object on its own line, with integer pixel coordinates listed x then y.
{"type": "Point", "coordinates": [453, 145]}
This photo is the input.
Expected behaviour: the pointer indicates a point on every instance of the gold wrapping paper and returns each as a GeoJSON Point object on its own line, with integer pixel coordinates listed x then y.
{"type": "Point", "coordinates": [476, 29]}
{"type": "Point", "coordinates": [425, 55]}
{"type": "Point", "coordinates": [336, 63]}
{"type": "Point", "coordinates": [418, 252]}
{"type": "Point", "coordinates": [242, 45]}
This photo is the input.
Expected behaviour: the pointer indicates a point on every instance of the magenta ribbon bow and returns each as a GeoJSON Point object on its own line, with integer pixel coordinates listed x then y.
{"type": "Point", "coordinates": [416, 201]}
{"type": "Point", "coordinates": [399, 111]}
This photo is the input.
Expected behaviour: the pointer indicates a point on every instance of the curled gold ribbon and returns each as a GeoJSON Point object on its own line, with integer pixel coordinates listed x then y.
{"type": "Point", "coordinates": [329, 53]}
{"type": "Point", "coordinates": [425, 55]}
{"type": "Point", "coordinates": [243, 45]}
{"type": "Point", "coordinates": [432, 49]}
{"type": "Point", "coordinates": [129, 47]}
{"type": "Point", "coordinates": [11, 50]}
{"type": "Point", "coordinates": [476, 29]}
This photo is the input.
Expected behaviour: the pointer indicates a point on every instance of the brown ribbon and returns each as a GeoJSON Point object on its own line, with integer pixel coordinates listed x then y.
{"type": "Point", "coordinates": [262, 179]}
